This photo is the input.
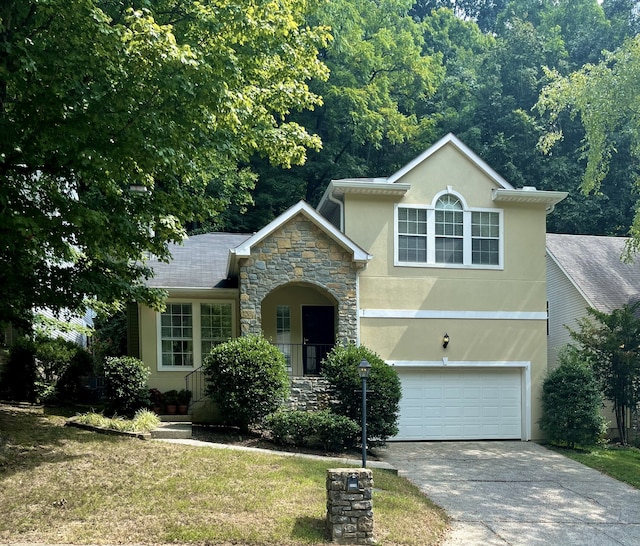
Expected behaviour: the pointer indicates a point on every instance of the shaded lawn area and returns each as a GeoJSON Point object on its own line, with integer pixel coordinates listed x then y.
{"type": "Point", "coordinates": [64, 485]}
{"type": "Point", "coordinates": [621, 463]}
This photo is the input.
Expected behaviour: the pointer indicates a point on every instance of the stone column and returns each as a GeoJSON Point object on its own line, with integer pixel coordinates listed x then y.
{"type": "Point", "coordinates": [350, 505]}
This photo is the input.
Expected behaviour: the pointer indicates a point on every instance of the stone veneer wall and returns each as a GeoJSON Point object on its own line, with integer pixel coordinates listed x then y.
{"type": "Point", "coordinates": [350, 509]}
{"type": "Point", "coordinates": [309, 394]}
{"type": "Point", "coordinates": [299, 252]}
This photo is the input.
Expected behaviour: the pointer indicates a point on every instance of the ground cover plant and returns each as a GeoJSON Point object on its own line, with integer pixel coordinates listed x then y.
{"type": "Point", "coordinates": [62, 485]}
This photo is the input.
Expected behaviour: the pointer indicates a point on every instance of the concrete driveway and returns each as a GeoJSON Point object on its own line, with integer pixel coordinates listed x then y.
{"type": "Point", "coordinates": [519, 493]}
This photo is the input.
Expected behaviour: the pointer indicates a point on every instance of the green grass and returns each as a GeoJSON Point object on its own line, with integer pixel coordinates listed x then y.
{"type": "Point", "coordinates": [65, 485]}
{"type": "Point", "coordinates": [621, 463]}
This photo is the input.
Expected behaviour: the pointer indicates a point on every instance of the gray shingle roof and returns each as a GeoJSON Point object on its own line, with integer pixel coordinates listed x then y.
{"type": "Point", "coordinates": [200, 262]}
{"type": "Point", "coordinates": [595, 266]}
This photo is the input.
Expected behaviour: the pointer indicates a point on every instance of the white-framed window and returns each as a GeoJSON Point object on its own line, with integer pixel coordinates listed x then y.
{"type": "Point", "coordinates": [448, 233]}
{"type": "Point", "coordinates": [283, 331]}
{"type": "Point", "coordinates": [176, 335]}
{"type": "Point", "coordinates": [188, 330]}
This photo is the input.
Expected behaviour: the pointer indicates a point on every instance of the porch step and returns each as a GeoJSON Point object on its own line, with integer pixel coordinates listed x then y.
{"type": "Point", "coordinates": [172, 430]}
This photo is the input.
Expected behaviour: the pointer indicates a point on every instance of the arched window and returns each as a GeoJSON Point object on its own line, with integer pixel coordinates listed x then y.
{"type": "Point", "coordinates": [449, 230]}
{"type": "Point", "coordinates": [448, 234]}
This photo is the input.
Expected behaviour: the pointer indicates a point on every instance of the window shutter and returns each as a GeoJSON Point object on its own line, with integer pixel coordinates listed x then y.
{"type": "Point", "coordinates": [133, 330]}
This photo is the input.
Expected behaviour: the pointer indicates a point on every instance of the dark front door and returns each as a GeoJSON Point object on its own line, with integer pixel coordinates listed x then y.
{"type": "Point", "coordinates": [318, 331]}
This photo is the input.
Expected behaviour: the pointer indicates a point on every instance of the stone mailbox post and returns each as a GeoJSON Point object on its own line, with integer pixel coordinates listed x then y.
{"type": "Point", "coordinates": [350, 505]}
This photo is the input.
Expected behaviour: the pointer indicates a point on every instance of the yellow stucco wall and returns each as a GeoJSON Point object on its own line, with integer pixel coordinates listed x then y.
{"type": "Point", "coordinates": [165, 380]}
{"type": "Point", "coordinates": [518, 287]}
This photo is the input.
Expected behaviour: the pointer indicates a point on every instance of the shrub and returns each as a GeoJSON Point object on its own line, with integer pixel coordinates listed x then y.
{"type": "Point", "coordinates": [46, 370]}
{"type": "Point", "coordinates": [312, 428]}
{"type": "Point", "coordinates": [571, 403]}
{"type": "Point", "coordinates": [19, 375]}
{"type": "Point", "coordinates": [70, 384]}
{"type": "Point", "coordinates": [340, 368]}
{"type": "Point", "coordinates": [125, 383]}
{"type": "Point", "coordinates": [247, 379]}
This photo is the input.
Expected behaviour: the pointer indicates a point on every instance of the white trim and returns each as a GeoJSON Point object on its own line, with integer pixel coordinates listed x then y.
{"type": "Point", "coordinates": [525, 377]}
{"type": "Point", "coordinates": [467, 215]}
{"type": "Point", "coordinates": [196, 333]}
{"type": "Point", "coordinates": [463, 149]}
{"type": "Point", "coordinates": [551, 255]}
{"type": "Point", "coordinates": [450, 314]}
{"type": "Point", "coordinates": [359, 255]}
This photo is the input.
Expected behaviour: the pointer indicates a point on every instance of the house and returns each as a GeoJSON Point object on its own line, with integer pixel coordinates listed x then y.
{"type": "Point", "coordinates": [585, 271]}
{"type": "Point", "coordinates": [438, 268]}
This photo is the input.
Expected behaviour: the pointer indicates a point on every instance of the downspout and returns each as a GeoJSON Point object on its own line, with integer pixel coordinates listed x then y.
{"type": "Point", "coordinates": [340, 208]}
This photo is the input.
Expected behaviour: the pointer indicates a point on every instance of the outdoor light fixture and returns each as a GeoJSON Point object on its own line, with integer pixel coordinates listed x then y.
{"type": "Point", "coordinates": [363, 371]}
{"type": "Point", "coordinates": [445, 341]}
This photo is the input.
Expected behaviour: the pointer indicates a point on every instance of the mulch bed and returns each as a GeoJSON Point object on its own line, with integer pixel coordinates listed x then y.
{"type": "Point", "coordinates": [233, 436]}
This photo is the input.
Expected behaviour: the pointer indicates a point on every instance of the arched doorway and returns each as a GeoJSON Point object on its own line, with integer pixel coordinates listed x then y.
{"type": "Point", "coordinates": [301, 319]}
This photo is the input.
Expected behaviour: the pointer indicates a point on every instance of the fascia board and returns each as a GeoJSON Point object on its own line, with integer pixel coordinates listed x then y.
{"type": "Point", "coordinates": [462, 148]}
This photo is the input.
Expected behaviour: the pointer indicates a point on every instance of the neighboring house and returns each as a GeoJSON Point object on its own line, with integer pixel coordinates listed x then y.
{"type": "Point", "coordinates": [585, 271]}
{"type": "Point", "coordinates": [443, 246]}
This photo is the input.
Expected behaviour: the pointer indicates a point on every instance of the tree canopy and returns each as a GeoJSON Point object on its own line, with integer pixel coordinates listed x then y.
{"type": "Point", "coordinates": [606, 98]}
{"type": "Point", "coordinates": [171, 98]}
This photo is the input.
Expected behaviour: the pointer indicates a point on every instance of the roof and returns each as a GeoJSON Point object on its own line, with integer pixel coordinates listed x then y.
{"type": "Point", "coordinates": [199, 262]}
{"type": "Point", "coordinates": [504, 192]}
{"type": "Point", "coordinates": [243, 249]}
{"type": "Point", "coordinates": [595, 267]}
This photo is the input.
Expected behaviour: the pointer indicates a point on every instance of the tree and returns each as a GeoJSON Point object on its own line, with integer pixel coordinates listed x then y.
{"type": "Point", "coordinates": [571, 403]}
{"type": "Point", "coordinates": [373, 117]}
{"type": "Point", "coordinates": [611, 342]}
{"type": "Point", "coordinates": [171, 98]}
{"type": "Point", "coordinates": [606, 98]}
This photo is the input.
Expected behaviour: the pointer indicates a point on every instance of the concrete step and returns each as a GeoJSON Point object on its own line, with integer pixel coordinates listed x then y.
{"type": "Point", "coordinates": [173, 430]}
{"type": "Point", "coordinates": [175, 418]}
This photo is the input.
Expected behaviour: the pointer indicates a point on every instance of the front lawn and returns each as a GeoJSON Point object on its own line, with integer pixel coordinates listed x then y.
{"type": "Point", "coordinates": [618, 462]}
{"type": "Point", "coordinates": [64, 485]}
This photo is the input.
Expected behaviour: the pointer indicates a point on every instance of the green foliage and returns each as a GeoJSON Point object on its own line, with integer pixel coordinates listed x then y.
{"type": "Point", "coordinates": [109, 336]}
{"type": "Point", "coordinates": [125, 382]}
{"type": "Point", "coordinates": [312, 428]}
{"type": "Point", "coordinates": [170, 97]}
{"type": "Point", "coordinates": [247, 379]}
{"type": "Point", "coordinates": [604, 97]}
{"type": "Point", "coordinates": [340, 368]}
{"type": "Point", "coordinates": [47, 370]}
{"type": "Point", "coordinates": [571, 403]}
{"type": "Point", "coordinates": [611, 342]}
{"type": "Point", "coordinates": [19, 375]}
{"type": "Point", "coordinates": [143, 421]}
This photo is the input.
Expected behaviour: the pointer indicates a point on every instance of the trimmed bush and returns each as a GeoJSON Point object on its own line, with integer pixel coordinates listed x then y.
{"type": "Point", "coordinates": [125, 384]}
{"type": "Point", "coordinates": [247, 379]}
{"type": "Point", "coordinates": [340, 368]}
{"type": "Point", "coordinates": [312, 428]}
{"type": "Point", "coordinates": [571, 403]}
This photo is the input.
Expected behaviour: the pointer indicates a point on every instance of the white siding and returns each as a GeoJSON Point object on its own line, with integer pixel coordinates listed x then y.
{"type": "Point", "coordinates": [566, 306]}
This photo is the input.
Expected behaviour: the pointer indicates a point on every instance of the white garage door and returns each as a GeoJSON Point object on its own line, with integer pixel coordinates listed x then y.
{"type": "Point", "coordinates": [460, 404]}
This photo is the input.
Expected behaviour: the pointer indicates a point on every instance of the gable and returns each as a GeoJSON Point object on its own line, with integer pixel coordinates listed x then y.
{"type": "Point", "coordinates": [301, 209]}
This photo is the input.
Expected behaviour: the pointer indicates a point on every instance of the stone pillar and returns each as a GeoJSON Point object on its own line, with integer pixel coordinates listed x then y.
{"type": "Point", "coordinates": [350, 505]}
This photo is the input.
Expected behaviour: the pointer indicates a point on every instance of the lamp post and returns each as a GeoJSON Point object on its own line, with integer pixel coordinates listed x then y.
{"type": "Point", "coordinates": [363, 371]}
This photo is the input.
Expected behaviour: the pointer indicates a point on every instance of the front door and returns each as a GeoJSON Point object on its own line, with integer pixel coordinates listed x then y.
{"type": "Point", "coordinates": [318, 332]}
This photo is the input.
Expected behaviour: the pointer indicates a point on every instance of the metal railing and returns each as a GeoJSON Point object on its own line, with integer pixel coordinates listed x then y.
{"type": "Point", "coordinates": [299, 356]}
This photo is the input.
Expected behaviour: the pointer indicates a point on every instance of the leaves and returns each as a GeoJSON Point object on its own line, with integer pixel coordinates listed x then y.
{"type": "Point", "coordinates": [173, 97]}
